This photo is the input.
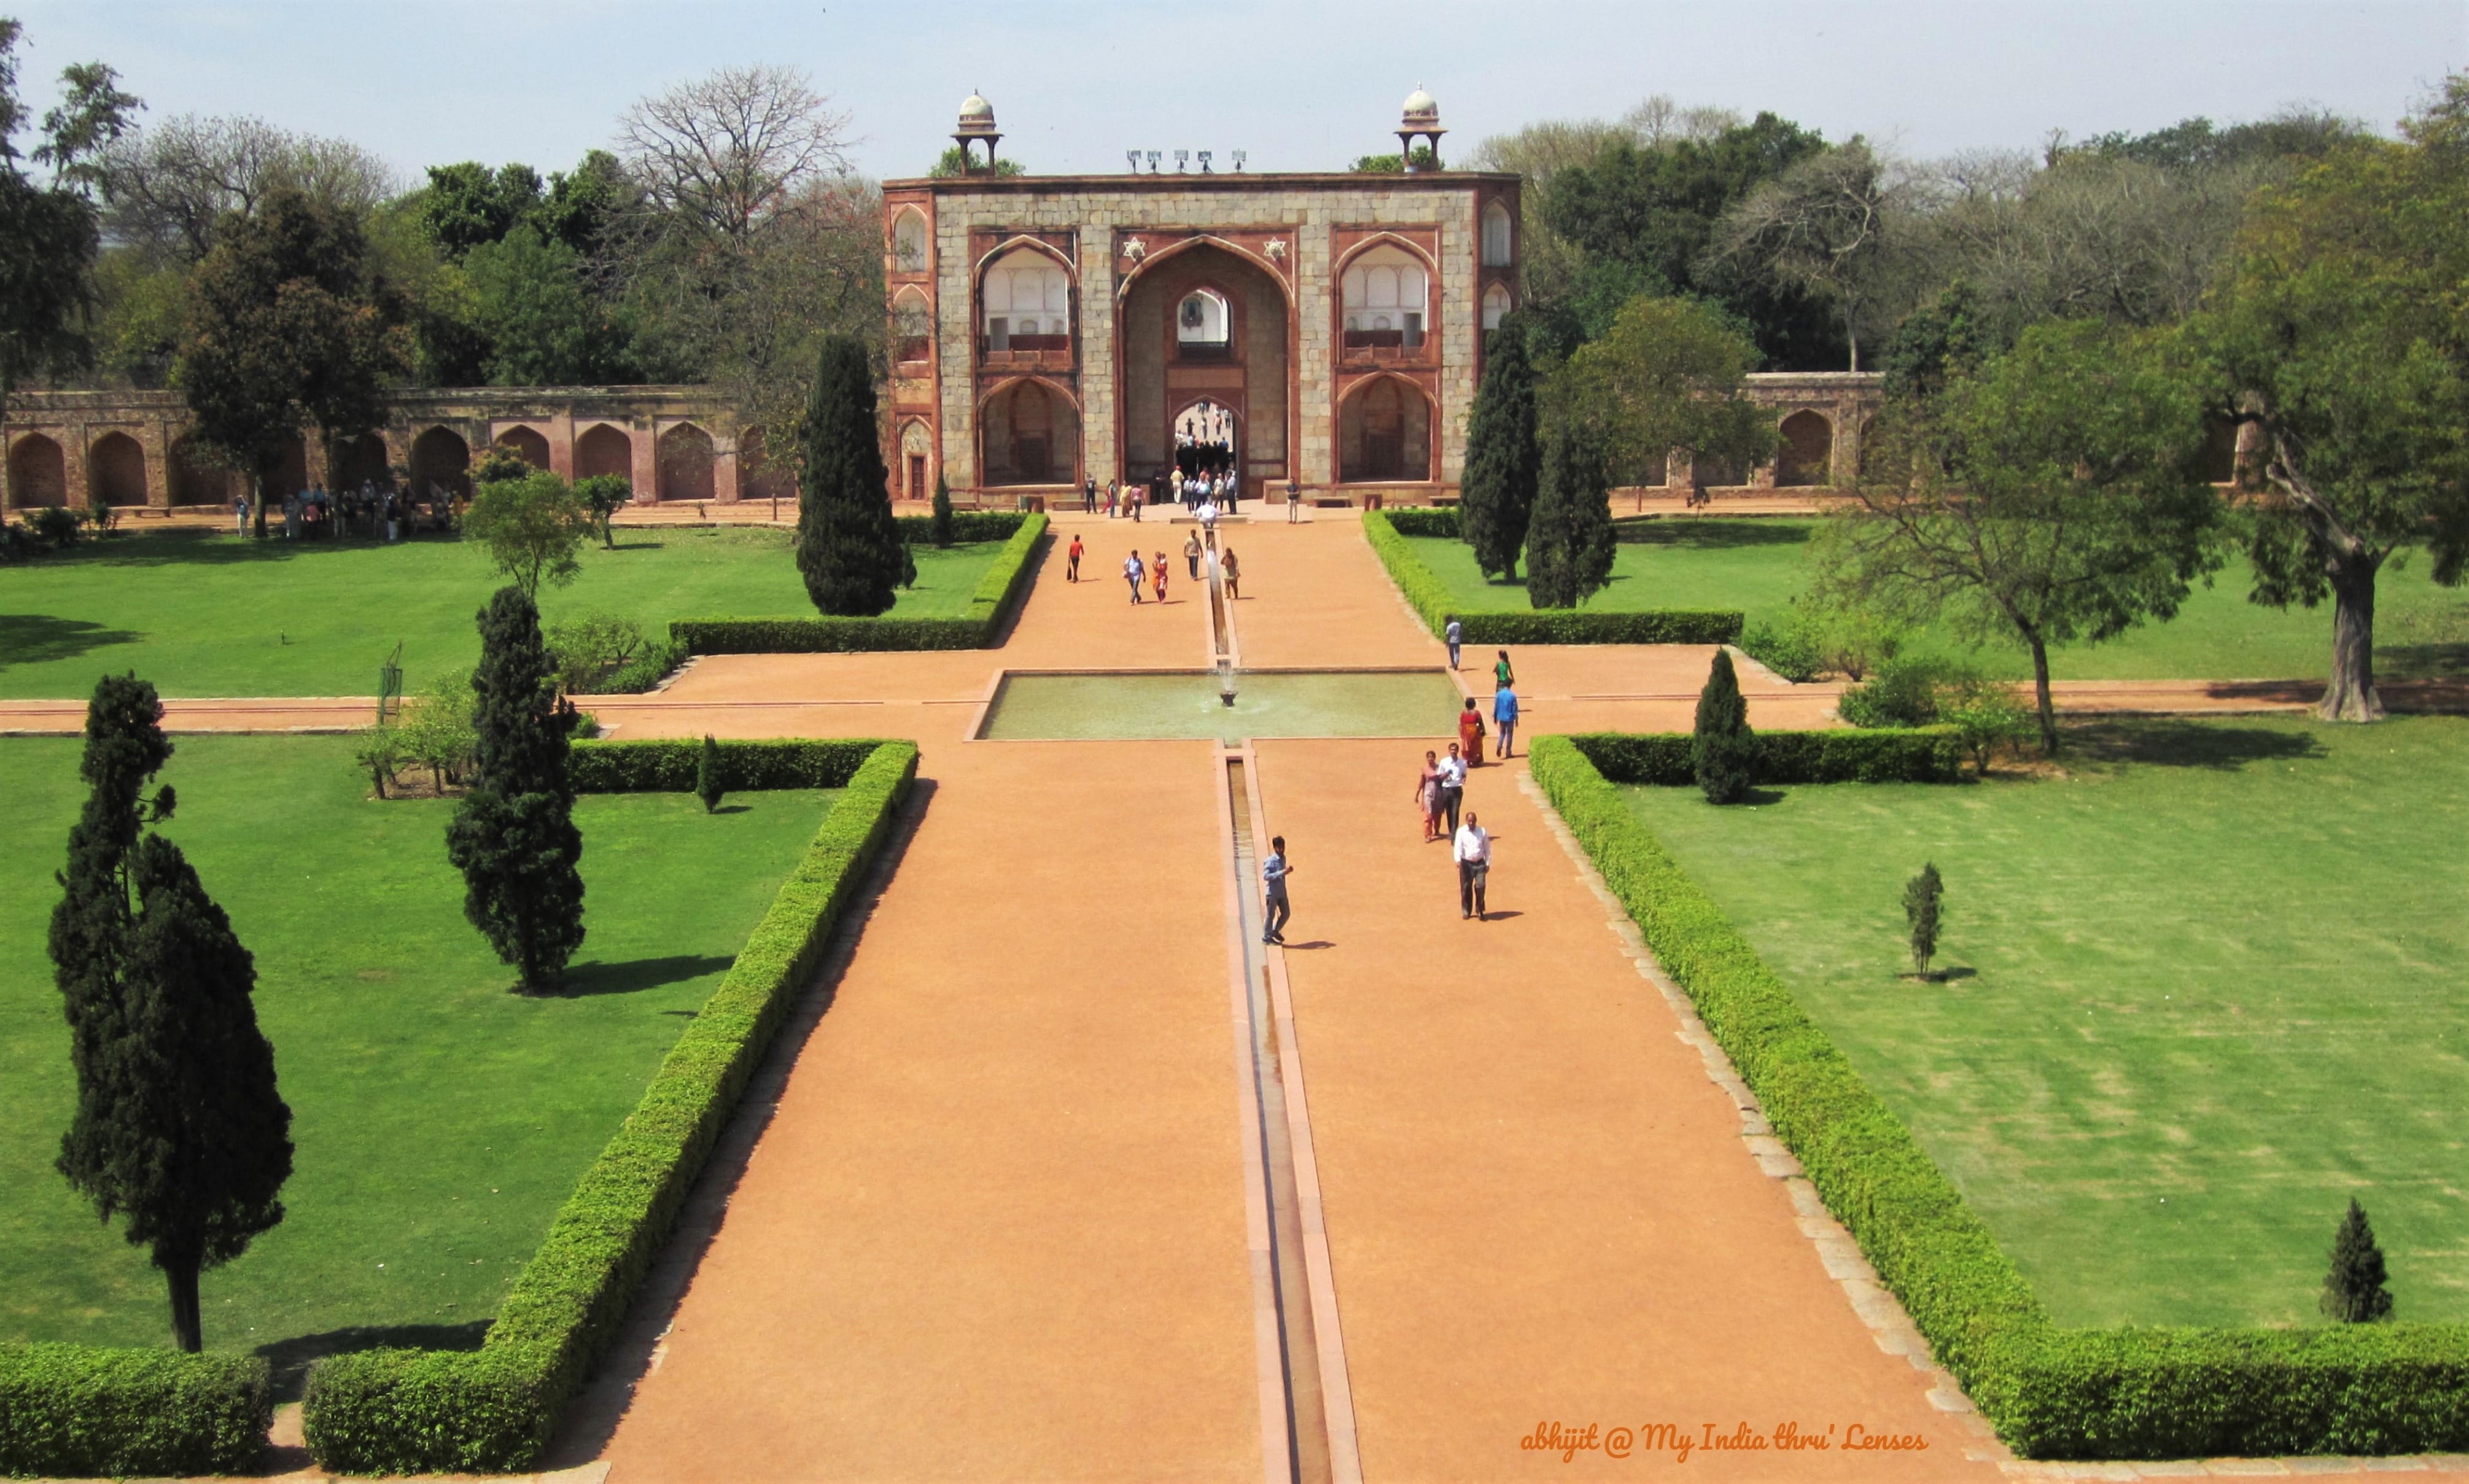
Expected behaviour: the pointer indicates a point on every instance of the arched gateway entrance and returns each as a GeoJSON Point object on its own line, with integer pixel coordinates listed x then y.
{"type": "Point", "coordinates": [1202, 324]}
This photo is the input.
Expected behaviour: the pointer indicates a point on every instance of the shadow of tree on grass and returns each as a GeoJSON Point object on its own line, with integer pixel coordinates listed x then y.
{"type": "Point", "coordinates": [2178, 742]}
{"type": "Point", "coordinates": [30, 639]}
{"type": "Point", "coordinates": [635, 975]}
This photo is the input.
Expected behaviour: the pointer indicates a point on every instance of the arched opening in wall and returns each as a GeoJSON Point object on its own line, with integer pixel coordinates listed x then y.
{"type": "Point", "coordinates": [686, 463]}
{"type": "Point", "coordinates": [1384, 434]}
{"type": "Point", "coordinates": [912, 326]}
{"type": "Point", "coordinates": [115, 471]}
{"type": "Point", "coordinates": [361, 460]}
{"type": "Point", "coordinates": [603, 449]}
{"type": "Point", "coordinates": [1028, 303]}
{"type": "Point", "coordinates": [290, 474]}
{"type": "Point", "coordinates": [441, 463]}
{"type": "Point", "coordinates": [1031, 437]}
{"type": "Point", "coordinates": [1498, 247]}
{"type": "Point", "coordinates": [1254, 376]}
{"type": "Point", "coordinates": [915, 476]}
{"type": "Point", "coordinates": [1806, 454]}
{"type": "Point", "coordinates": [1204, 327]}
{"type": "Point", "coordinates": [1385, 290]}
{"type": "Point", "coordinates": [908, 242]}
{"type": "Point", "coordinates": [1208, 439]}
{"type": "Point", "coordinates": [197, 478]}
{"type": "Point", "coordinates": [760, 476]}
{"type": "Point", "coordinates": [527, 444]}
{"type": "Point", "coordinates": [38, 473]}
{"type": "Point", "coordinates": [1495, 306]}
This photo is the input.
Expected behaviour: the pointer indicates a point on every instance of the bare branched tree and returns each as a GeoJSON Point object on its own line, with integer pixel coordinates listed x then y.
{"type": "Point", "coordinates": [1826, 226]}
{"type": "Point", "coordinates": [169, 188]}
{"type": "Point", "coordinates": [1662, 121]}
{"type": "Point", "coordinates": [726, 151]}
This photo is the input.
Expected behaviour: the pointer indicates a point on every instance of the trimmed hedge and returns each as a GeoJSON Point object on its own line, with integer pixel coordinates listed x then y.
{"type": "Point", "coordinates": [398, 1411]}
{"type": "Point", "coordinates": [81, 1409]}
{"type": "Point", "coordinates": [1425, 521]}
{"type": "Point", "coordinates": [966, 525]}
{"type": "Point", "coordinates": [1430, 598]}
{"type": "Point", "coordinates": [2051, 1393]}
{"type": "Point", "coordinates": [668, 766]}
{"type": "Point", "coordinates": [998, 593]}
{"type": "Point", "coordinates": [1925, 754]}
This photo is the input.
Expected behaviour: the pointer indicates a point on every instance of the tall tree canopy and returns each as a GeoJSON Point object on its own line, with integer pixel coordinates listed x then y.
{"type": "Point", "coordinates": [49, 232]}
{"type": "Point", "coordinates": [850, 549]}
{"type": "Point", "coordinates": [1503, 458]}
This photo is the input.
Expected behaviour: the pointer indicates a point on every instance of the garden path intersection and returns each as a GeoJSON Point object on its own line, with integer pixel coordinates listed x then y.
{"type": "Point", "coordinates": [1009, 1210]}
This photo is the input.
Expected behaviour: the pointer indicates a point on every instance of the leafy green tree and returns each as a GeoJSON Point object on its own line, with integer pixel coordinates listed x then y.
{"type": "Point", "coordinates": [941, 523]}
{"type": "Point", "coordinates": [2052, 497]}
{"type": "Point", "coordinates": [1569, 539]}
{"type": "Point", "coordinates": [49, 232]}
{"type": "Point", "coordinates": [603, 496]}
{"type": "Point", "coordinates": [850, 549]}
{"type": "Point", "coordinates": [1986, 715]}
{"type": "Point", "coordinates": [707, 775]}
{"type": "Point", "coordinates": [952, 163]}
{"type": "Point", "coordinates": [1924, 908]}
{"type": "Point", "coordinates": [470, 205]}
{"type": "Point", "coordinates": [534, 527]}
{"type": "Point", "coordinates": [1723, 751]}
{"type": "Point", "coordinates": [2353, 1290]}
{"type": "Point", "coordinates": [514, 836]}
{"type": "Point", "coordinates": [178, 1128]}
{"type": "Point", "coordinates": [1503, 458]}
{"type": "Point", "coordinates": [544, 329]}
{"type": "Point", "coordinates": [1823, 228]}
{"type": "Point", "coordinates": [1669, 373]}
{"type": "Point", "coordinates": [1942, 337]}
{"type": "Point", "coordinates": [438, 731]}
{"type": "Point", "coordinates": [287, 333]}
{"type": "Point", "coordinates": [2339, 336]}
{"type": "Point", "coordinates": [591, 648]}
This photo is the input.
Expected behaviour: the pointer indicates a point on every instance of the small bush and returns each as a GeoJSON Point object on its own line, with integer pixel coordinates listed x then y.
{"type": "Point", "coordinates": [2353, 1290]}
{"type": "Point", "coordinates": [1424, 521]}
{"type": "Point", "coordinates": [52, 527]}
{"type": "Point", "coordinates": [1901, 693]}
{"type": "Point", "coordinates": [707, 784]}
{"type": "Point", "coordinates": [439, 732]}
{"type": "Point", "coordinates": [1789, 651]}
{"type": "Point", "coordinates": [673, 765]}
{"type": "Point", "coordinates": [76, 1410]}
{"type": "Point", "coordinates": [382, 754]}
{"type": "Point", "coordinates": [1987, 715]}
{"type": "Point", "coordinates": [651, 665]}
{"type": "Point", "coordinates": [591, 648]}
{"type": "Point", "coordinates": [967, 525]}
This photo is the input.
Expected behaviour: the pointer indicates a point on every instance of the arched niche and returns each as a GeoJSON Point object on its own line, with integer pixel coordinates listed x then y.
{"type": "Point", "coordinates": [1499, 236]}
{"type": "Point", "coordinates": [912, 326]}
{"type": "Point", "coordinates": [1027, 303]}
{"type": "Point", "coordinates": [1028, 433]}
{"type": "Point", "coordinates": [1386, 292]}
{"type": "Point", "coordinates": [908, 241]}
{"type": "Point", "coordinates": [1384, 434]}
{"type": "Point", "coordinates": [605, 449]}
{"type": "Point", "coordinates": [685, 457]}
{"type": "Point", "coordinates": [115, 470]}
{"type": "Point", "coordinates": [38, 472]}
{"type": "Point", "coordinates": [440, 461]}
{"type": "Point", "coordinates": [1806, 453]}
{"type": "Point", "coordinates": [1496, 305]}
{"type": "Point", "coordinates": [361, 460]}
{"type": "Point", "coordinates": [527, 444]}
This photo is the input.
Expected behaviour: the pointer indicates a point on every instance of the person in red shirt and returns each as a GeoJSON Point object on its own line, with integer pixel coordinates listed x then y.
{"type": "Point", "coordinates": [1072, 565]}
{"type": "Point", "coordinates": [1470, 733]}
{"type": "Point", "coordinates": [1156, 572]}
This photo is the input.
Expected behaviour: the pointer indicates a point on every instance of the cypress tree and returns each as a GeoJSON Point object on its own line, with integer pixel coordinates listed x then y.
{"type": "Point", "coordinates": [1503, 459]}
{"type": "Point", "coordinates": [707, 775]}
{"type": "Point", "coordinates": [1724, 751]}
{"type": "Point", "coordinates": [178, 1126]}
{"type": "Point", "coordinates": [513, 836]}
{"type": "Point", "coordinates": [2353, 1290]}
{"type": "Point", "coordinates": [1923, 903]}
{"type": "Point", "coordinates": [942, 523]}
{"type": "Point", "coordinates": [849, 546]}
{"type": "Point", "coordinates": [1569, 542]}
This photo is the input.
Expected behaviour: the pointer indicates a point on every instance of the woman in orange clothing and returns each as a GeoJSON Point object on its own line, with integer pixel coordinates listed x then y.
{"type": "Point", "coordinates": [1470, 733]}
{"type": "Point", "coordinates": [1157, 575]}
{"type": "Point", "coordinates": [1427, 794]}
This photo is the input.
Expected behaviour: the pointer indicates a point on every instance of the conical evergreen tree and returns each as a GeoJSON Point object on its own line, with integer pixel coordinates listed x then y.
{"type": "Point", "coordinates": [848, 544]}
{"type": "Point", "coordinates": [1923, 903]}
{"type": "Point", "coordinates": [1724, 751]}
{"type": "Point", "coordinates": [513, 836]}
{"type": "Point", "coordinates": [942, 521]}
{"type": "Point", "coordinates": [2353, 1290]}
{"type": "Point", "coordinates": [1504, 461]}
{"type": "Point", "coordinates": [1569, 542]}
{"type": "Point", "coordinates": [179, 1127]}
{"type": "Point", "coordinates": [707, 775]}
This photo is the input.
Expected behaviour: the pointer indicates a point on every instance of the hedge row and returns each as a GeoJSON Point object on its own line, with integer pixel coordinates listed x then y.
{"type": "Point", "coordinates": [1424, 521]}
{"type": "Point", "coordinates": [1430, 598]}
{"type": "Point", "coordinates": [2051, 1393]}
{"type": "Point", "coordinates": [80, 1410]}
{"type": "Point", "coordinates": [966, 525]}
{"type": "Point", "coordinates": [669, 766]}
{"type": "Point", "coordinates": [1924, 755]}
{"type": "Point", "coordinates": [998, 593]}
{"type": "Point", "coordinates": [393, 1411]}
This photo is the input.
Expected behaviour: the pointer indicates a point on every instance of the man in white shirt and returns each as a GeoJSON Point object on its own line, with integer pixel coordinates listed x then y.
{"type": "Point", "coordinates": [1474, 851]}
{"type": "Point", "coordinates": [1453, 771]}
{"type": "Point", "coordinates": [1275, 907]}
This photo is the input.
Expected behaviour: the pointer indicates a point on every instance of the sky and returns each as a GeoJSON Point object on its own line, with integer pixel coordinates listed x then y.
{"type": "Point", "coordinates": [1298, 86]}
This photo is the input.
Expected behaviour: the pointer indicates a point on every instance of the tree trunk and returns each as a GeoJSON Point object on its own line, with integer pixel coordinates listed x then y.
{"type": "Point", "coordinates": [257, 502]}
{"type": "Point", "coordinates": [2350, 696]}
{"type": "Point", "coordinates": [187, 1332]}
{"type": "Point", "coordinates": [2048, 712]}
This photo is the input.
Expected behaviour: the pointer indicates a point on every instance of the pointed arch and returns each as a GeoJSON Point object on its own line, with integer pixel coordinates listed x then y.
{"type": "Point", "coordinates": [686, 462]}
{"type": "Point", "coordinates": [911, 243]}
{"type": "Point", "coordinates": [912, 325]}
{"type": "Point", "coordinates": [440, 457]}
{"type": "Point", "coordinates": [1029, 432]}
{"type": "Point", "coordinates": [605, 449]}
{"type": "Point", "coordinates": [115, 470]}
{"type": "Point", "coordinates": [526, 443]}
{"type": "Point", "coordinates": [38, 472]}
{"type": "Point", "coordinates": [1499, 236]}
{"type": "Point", "coordinates": [1173, 250]}
{"type": "Point", "coordinates": [1384, 433]}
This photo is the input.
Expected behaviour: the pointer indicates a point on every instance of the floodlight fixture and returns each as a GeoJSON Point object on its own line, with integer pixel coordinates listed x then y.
{"type": "Point", "coordinates": [1180, 157]}
{"type": "Point", "coordinates": [1133, 155]}
{"type": "Point", "coordinates": [1204, 162]}
{"type": "Point", "coordinates": [1153, 162]}
{"type": "Point", "coordinates": [1241, 155]}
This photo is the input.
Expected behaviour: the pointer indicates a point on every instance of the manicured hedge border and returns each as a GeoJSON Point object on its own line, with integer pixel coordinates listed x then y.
{"type": "Point", "coordinates": [2051, 1393]}
{"type": "Point", "coordinates": [391, 1411]}
{"type": "Point", "coordinates": [668, 767]}
{"type": "Point", "coordinates": [998, 593]}
{"type": "Point", "coordinates": [80, 1409]}
{"type": "Point", "coordinates": [1430, 598]}
{"type": "Point", "coordinates": [1925, 754]}
{"type": "Point", "coordinates": [966, 525]}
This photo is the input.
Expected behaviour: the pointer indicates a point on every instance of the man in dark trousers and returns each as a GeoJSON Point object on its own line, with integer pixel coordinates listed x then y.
{"type": "Point", "coordinates": [1453, 771]}
{"type": "Point", "coordinates": [1275, 908]}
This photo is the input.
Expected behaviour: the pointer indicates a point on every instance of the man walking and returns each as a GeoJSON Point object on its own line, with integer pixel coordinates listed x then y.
{"type": "Point", "coordinates": [1473, 852]}
{"type": "Point", "coordinates": [1504, 718]}
{"type": "Point", "coordinates": [1453, 635]}
{"type": "Point", "coordinates": [1275, 908]}
{"type": "Point", "coordinates": [1134, 570]}
{"type": "Point", "coordinates": [1452, 786]}
{"type": "Point", "coordinates": [1191, 554]}
{"type": "Point", "coordinates": [1072, 560]}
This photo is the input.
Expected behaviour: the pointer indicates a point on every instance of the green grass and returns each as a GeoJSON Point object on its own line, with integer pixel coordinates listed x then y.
{"type": "Point", "coordinates": [2205, 988]}
{"type": "Point", "coordinates": [204, 614]}
{"type": "Point", "coordinates": [439, 1120]}
{"type": "Point", "coordinates": [1757, 565]}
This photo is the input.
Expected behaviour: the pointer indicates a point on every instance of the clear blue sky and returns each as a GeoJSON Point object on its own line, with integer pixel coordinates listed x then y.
{"type": "Point", "coordinates": [1301, 85]}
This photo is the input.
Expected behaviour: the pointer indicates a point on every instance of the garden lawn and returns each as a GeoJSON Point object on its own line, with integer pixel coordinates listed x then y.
{"type": "Point", "coordinates": [2203, 991]}
{"type": "Point", "coordinates": [439, 1120]}
{"type": "Point", "coordinates": [1757, 565]}
{"type": "Point", "coordinates": [205, 614]}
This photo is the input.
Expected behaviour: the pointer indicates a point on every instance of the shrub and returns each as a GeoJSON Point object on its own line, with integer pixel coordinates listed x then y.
{"type": "Point", "coordinates": [78, 1410]}
{"type": "Point", "coordinates": [2353, 1290]}
{"type": "Point", "coordinates": [533, 526]}
{"type": "Point", "coordinates": [1429, 597]}
{"type": "Point", "coordinates": [671, 765]}
{"type": "Point", "coordinates": [707, 785]}
{"type": "Point", "coordinates": [1665, 760]}
{"type": "Point", "coordinates": [967, 525]}
{"type": "Point", "coordinates": [998, 593]}
{"type": "Point", "coordinates": [590, 649]}
{"type": "Point", "coordinates": [650, 665]}
{"type": "Point", "coordinates": [1723, 751]}
{"type": "Point", "coordinates": [437, 729]}
{"type": "Point", "coordinates": [1922, 899]}
{"type": "Point", "coordinates": [1986, 715]}
{"type": "Point", "coordinates": [392, 1411]}
{"type": "Point", "coordinates": [102, 514]}
{"type": "Point", "coordinates": [1425, 521]}
{"type": "Point", "coordinates": [1901, 693]}
{"type": "Point", "coordinates": [938, 526]}
{"type": "Point", "coordinates": [1789, 651]}
{"type": "Point", "coordinates": [382, 753]}
{"type": "Point", "coordinates": [52, 527]}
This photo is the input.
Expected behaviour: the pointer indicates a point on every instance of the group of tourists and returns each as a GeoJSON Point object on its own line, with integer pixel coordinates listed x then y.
{"type": "Point", "coordinates": [1203, 560]}
{"type": "Point", "coordinates": [317, 513]}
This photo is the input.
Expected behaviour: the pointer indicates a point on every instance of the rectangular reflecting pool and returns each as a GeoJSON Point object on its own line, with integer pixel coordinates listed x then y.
{"type": "Point", "coordinates": [1314, 703]}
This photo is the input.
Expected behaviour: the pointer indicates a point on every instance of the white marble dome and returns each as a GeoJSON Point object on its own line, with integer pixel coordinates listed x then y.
{"type": "Point", "coordinates": [1422, 108]}
{"type": "Point", "coordinates": [975, 109]}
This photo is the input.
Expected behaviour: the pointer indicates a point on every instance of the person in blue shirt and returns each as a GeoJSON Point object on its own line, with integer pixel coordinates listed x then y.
{"type": "Point", "coordinates": [1504, 719]}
